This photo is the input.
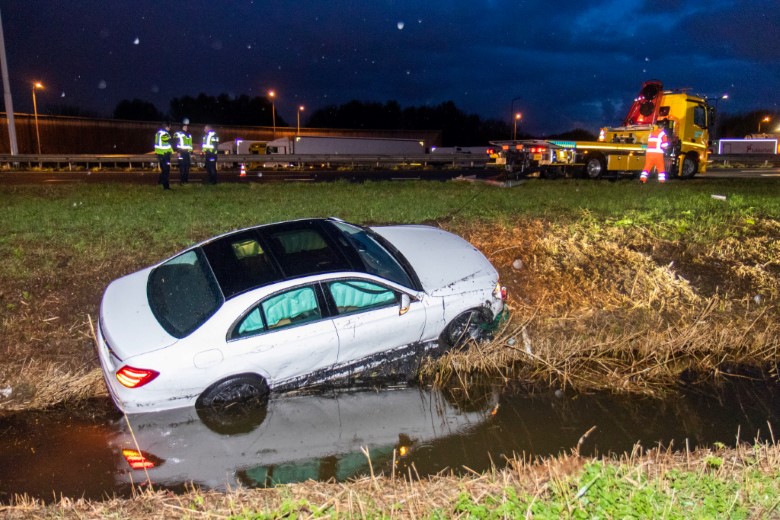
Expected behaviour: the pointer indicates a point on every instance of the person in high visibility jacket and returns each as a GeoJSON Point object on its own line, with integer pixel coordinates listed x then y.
{"type": "Point", "coordinates": [164, 149]}
{"type": "Point", "coordinates": [657, 143]}
{"type": "Point", "coordinates": [183, 141]}
{"type": "Point", "coordinates": [209, 149]}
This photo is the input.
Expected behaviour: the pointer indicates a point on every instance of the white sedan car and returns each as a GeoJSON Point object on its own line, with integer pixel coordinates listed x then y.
{"type": "Point", "coordinates": [291, 305]}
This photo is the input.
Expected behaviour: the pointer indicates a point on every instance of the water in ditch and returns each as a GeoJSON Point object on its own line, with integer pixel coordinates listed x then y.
{"type": "Point", "coordinates": [98, 452]}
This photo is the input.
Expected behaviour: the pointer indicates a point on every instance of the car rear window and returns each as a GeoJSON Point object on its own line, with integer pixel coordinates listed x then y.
{"type": "Point", "coordinates": [183, 293]}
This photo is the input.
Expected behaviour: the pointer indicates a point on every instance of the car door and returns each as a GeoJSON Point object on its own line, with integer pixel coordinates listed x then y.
{"type": "Point", "coordinates": [287, 335]}
{"type": "Point", "coordinates": [368, 318]}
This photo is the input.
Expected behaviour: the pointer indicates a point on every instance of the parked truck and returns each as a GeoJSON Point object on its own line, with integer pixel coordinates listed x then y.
{"type": "Point", "coordinates": [319, 145]}
{"type": "Point", "coordinates": [243, 147]}
{"type": "Point", "coordinates": [621, 149]}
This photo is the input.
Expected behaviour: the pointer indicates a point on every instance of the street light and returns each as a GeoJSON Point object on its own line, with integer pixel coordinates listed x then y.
{"type": "Point", "coordinates": [765, 120]}
{"type": "Point", "coordinates": [518, 118]}
{"type": "Point", "coordinates": [512, 110]}
{"type": "Point", "coordinates": [272, 95]}
{"type": "Point", "coordinates": [37, 85]}
{"type": "Point", "coordinates": [300, 109]}
{"type": "Point", "coordinates": [717, 113]}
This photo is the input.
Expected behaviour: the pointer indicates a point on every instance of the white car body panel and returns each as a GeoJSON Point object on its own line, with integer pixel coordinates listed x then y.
{"type": "Point", "coordinates": [442, 260]}
{"type": "Point", "coordinates": [361, 334]}
{"type": "Point", "coordinates": [455, 275]}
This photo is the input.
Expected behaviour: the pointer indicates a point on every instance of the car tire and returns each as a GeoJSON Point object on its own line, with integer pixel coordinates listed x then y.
{"type": "Point", "coordinates": [243, 388]}
{"type": "Point", "coordinates": [595, 167]}
{"type": "Point", "coordinates": [467, 325]}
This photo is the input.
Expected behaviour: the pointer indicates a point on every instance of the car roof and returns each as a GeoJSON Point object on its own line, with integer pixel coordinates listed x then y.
{"type": "Point", "coordinates": [245, 259]}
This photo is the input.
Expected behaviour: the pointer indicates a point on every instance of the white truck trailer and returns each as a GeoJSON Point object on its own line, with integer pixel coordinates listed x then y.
{"type": "Point", "coordinates": [758, 145]}
{"type": "Point", "coordinates": [317, 145]}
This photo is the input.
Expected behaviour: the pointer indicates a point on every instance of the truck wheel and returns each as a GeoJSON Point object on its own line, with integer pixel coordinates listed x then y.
{"type": "Point", "coordinates": [595, 167]}
{"type": "Point", "coordinates": [689, 167]}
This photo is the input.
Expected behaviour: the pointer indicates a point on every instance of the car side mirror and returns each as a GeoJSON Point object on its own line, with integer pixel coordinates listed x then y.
{"type": "Point", "coordinates": [406, 301]}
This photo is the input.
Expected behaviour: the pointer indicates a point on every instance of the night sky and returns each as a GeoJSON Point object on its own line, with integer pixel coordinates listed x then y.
{"type": "Point", "coordinates": [571, 64]}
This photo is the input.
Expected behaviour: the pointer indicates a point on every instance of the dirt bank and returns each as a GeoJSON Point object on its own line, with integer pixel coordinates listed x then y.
{"type": "Point", "coordinates": [594, 307]}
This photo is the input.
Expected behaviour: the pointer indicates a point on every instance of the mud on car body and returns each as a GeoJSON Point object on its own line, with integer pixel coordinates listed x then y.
{"type": "Point", "coordinates": [289, 305]}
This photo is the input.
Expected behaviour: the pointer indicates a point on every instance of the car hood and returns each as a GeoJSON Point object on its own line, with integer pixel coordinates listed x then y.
{"type": "Point", "coordinates": [441, 260]}
{"type": "Point", "coordinates": [126, 319]}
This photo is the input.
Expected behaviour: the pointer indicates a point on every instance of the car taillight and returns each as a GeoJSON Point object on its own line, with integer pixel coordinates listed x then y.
{"type": "Point", "coordinates": [135, 377]}
{"type": "Point", "coordinates": [499, 292]}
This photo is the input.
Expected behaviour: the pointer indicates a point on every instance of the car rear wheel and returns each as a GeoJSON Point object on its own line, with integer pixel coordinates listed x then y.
{"type": "Point", "coordinates": [244, 388]}
{"type": "Point", "coordinates": [466, 326]}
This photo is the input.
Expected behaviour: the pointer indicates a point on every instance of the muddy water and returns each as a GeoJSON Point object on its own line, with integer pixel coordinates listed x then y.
{"type": "Point", "coordinates": [322, 437]}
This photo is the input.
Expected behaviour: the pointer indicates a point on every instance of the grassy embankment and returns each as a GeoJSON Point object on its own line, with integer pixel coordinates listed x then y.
{"type": "Point", "coordinates": [620, 287]}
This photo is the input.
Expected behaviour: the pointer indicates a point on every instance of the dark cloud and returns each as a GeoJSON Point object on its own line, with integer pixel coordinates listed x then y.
{"type": "Point", "coordinates": [572, 63]}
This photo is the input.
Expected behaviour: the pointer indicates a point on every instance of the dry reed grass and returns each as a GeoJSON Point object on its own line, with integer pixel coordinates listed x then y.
{"type": "Point", "coordinates": [405, 496]}
{"type": "Point", "coordinates": [597, 311]}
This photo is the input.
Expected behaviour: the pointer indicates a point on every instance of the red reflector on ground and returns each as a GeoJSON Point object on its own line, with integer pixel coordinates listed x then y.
{"type": "Point", "coordinates": [134, 377]}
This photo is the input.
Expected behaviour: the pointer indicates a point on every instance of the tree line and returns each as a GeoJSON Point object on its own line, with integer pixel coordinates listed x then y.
{"type": "Point", "coordinates": [458, 127]}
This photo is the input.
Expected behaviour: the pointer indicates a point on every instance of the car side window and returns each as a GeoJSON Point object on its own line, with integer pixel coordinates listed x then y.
{"type": "Point", "coordinates": [357, 295]}
{"type": "Point", "coordinates": [288, 308]}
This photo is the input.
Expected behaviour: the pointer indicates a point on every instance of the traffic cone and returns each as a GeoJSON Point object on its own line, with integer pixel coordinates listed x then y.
{"type": "Point", "coordinates": [243, 171]}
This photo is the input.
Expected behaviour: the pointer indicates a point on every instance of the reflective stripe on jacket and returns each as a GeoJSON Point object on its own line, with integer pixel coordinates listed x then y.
{"type": "Point", "coordinates": [184, 141]}
{"type": "Point", "coordinates": [210, 142]}
{"type": "Point", "coordinates": [162, 142]}
{"type": "Point", "coordinates": [657, 142]}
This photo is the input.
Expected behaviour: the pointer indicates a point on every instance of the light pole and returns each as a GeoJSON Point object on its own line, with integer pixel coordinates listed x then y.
{"type": "Point", "coordinates": [37, 85]}
{"type": "Point", "coordinates": [300, 109]}
{"type": "Point", "coordinates": [717, 114]}
{"type": "Point", "coordinates": [272, 95]}
{"type": "Point", "coordinates": [765, 120]}
{"type": "Point", "coordinates": [512, 110]}
{"type": "Point", "coordinates": [518, 118]}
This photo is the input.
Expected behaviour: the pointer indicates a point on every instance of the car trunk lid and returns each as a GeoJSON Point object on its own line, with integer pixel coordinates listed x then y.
{"type": "Point", "coordinates": [127, 322]}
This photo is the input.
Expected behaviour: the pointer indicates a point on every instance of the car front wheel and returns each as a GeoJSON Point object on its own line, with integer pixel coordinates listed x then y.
{"type": "Point", "coordinates": [466, 326]}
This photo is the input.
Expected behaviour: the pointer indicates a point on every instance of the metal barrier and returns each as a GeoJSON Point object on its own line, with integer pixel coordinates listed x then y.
{"type": "Point", "coordinates": [130, 162]}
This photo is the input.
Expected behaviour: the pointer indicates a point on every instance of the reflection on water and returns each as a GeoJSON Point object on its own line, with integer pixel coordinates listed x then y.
{"type": "Point", "coordinates": [324, 437]}
{"type": "Point", "coordinates": [292, 439]}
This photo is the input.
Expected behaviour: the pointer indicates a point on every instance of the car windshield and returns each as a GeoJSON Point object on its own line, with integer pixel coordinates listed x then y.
{"type": "Point", "coordinates": [376, 259]}
{"type": "Point", "coordinates": [183, 293]}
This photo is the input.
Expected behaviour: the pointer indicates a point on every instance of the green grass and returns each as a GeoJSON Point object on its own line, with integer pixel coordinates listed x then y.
{"type": "Point", "coordinates": [608, 490]}
{"type": "Point", "coordinates": [98, 221]}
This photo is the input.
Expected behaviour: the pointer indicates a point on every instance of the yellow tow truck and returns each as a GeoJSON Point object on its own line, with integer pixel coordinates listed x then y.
{"type": "Point", "coordinates": [621, 150]}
